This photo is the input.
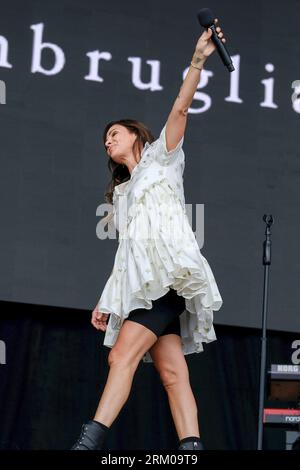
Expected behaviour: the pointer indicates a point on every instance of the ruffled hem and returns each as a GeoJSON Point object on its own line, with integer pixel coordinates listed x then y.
{"type": "Point", "coordinates": [150, 261]}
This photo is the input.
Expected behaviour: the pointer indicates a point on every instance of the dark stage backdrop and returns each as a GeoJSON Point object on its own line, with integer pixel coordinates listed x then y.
{"type": "Point", "coordinates": [54, 375]}
{"type": "Point", "coordinates": [71, 66]}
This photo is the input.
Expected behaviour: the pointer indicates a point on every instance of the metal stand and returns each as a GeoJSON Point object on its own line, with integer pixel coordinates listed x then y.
{"type": "Point", "coordinates": [268, 219]}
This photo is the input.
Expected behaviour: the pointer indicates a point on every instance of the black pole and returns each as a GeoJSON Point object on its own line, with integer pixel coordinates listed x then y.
{"type": "Point", "coordinates": [268, 219]}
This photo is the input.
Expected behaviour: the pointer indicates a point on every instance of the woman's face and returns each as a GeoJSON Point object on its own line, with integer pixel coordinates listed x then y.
{"type": "Point", "coordinates": [119, 143]}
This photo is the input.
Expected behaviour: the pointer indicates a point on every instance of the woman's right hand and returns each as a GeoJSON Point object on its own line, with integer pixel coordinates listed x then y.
{"type": "Point", "coordinates": [99, 319]}
{"type": "Point", "coordinates": [205, 46]}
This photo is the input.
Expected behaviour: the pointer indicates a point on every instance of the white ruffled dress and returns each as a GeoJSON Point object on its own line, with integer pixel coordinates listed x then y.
{"type": "Point", "coordinates": [158, 250]}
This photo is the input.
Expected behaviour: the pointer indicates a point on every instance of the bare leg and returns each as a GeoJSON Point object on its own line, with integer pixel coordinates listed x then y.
{"type": "Point", "coordinates": [115, 393]}
{"type": "Point", "coordinates": [170, 362]}
{"type": "Point", "coordinates": [184, 409]}
{"type": "Point", "coordinates": [132, 343]}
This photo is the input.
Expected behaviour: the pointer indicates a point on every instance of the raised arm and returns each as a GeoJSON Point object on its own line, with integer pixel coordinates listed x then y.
{"type": "Point", "coordinates": [177, 119]}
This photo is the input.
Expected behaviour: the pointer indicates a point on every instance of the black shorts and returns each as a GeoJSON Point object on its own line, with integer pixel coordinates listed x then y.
{"type": "Point", "coordinates": [163, 317]}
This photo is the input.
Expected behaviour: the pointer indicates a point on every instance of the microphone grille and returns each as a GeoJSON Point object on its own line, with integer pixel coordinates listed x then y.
{"type": "Point", "coordinates": [205, 17]}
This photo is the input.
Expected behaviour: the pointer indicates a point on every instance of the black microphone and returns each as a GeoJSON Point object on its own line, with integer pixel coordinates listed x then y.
{"type": "Point", "coordinates": [206, 19]}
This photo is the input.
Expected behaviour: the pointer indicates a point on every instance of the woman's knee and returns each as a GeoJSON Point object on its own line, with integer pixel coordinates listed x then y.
{"type": "Point", "coordinates": [132, 343]}
{"type": "Point", "coordinates": [118, 356]}
{"type": "Point", "coordinates": [172, 375]}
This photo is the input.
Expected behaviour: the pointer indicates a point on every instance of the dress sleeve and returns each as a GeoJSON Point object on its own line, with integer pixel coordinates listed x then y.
{"type": "Point", "coordinates": [165, 157]}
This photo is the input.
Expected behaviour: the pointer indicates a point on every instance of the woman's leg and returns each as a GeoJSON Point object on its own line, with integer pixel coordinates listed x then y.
{"type": "Point", "coordinates": [133, 341]}
{"type": "Point", "coordinates": [171, 365]}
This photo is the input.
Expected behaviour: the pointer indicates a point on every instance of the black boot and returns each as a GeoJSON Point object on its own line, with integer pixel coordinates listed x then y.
{"type": "Point", "coordinates": [91, 437]}
{"type": "Point", "coordinates": [191, 443]}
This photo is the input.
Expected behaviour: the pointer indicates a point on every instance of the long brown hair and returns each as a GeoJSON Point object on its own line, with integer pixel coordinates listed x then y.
{"type": "Point", "coordinates": [119, 172]}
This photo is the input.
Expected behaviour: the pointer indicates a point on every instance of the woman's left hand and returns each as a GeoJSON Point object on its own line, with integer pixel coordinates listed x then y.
{"type": "Point", "coordinates": [99, 319]}
{"type": "Point", "coordinates": [205, 46]}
